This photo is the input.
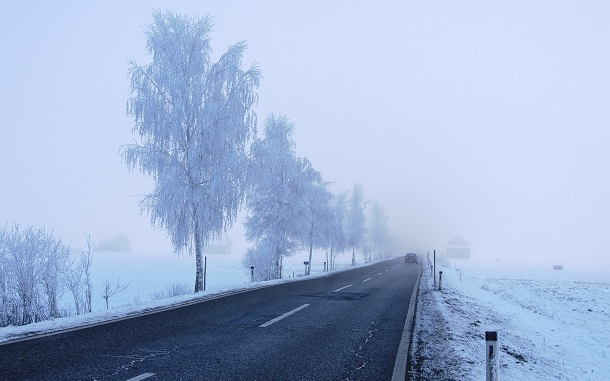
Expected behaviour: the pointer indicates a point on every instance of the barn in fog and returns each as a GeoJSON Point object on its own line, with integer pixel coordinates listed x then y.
{"type": "Point", "coordinates": [457, 248]}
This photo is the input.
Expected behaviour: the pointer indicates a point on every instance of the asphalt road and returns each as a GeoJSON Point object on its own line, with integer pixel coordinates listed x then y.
{"type": "Point", "coordinates": [345, 326]}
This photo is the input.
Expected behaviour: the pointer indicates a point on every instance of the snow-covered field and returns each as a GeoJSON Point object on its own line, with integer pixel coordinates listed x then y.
{"type": "Point", "coordinates": [551, 324]}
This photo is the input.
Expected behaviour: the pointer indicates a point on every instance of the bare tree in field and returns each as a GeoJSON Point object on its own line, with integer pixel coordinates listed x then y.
{"type": "Point", "coordinates": [111, 289]}
{"type": "Point", "coordinates": [194, 120]}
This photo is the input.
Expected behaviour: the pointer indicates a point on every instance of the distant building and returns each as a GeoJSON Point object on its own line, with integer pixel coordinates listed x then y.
{"type": "Point", "coordinates": [457, 248]}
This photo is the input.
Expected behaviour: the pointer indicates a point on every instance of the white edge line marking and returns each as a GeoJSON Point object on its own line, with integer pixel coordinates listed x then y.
{"type": "Point", "coordinates": [267, 324]}
{"type": "Point", "coordinates": [141, 377]}
{"type": "Point", "coordinates": [366, 280]}
{"type": "Point", "coordinates": [400, 365]}
{"type": "Point", "coordinates": [339, 289]}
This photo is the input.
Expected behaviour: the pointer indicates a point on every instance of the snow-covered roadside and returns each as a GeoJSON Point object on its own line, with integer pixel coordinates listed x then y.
{"type": "Point", "coordinates": [552, 325]}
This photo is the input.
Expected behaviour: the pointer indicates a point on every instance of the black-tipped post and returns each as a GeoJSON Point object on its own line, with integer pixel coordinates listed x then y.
{"type": "Point", "coordinates": [493, 358]}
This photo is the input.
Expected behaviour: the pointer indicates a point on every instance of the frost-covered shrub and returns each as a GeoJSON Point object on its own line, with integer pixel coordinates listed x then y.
{"type": "Point", "coordinates": [174, 289]}
{"type": "Point", "coordinates": [157, 295]}
{"type": "Point", "coordinates": [31, 264]}
{"type": "Point", "coordinates": [177, 289]}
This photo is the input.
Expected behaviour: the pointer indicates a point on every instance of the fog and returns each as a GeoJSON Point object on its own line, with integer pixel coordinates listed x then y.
{"type": "Point", "coordinates": [488, 121]}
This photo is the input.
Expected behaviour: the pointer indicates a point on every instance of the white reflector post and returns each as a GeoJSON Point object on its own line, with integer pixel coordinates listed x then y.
{"type": "Point", "coordinates": [493, 356]}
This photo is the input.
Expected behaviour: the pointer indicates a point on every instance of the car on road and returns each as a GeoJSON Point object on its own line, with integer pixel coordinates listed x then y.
{"type": "Point", "coordinates": [411, 257]}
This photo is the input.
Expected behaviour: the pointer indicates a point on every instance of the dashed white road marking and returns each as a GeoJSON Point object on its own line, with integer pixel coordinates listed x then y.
{"type": "Point", "coordinates": [379, 274]}
{"type": "Point", "coordinates": [141, 377]}
{"type": "Point", "coordinates": [366, 280]}
{"type": "Point", "coordinates": [267, 324]}
{"type": "Point", "coordinates": [339, 289]}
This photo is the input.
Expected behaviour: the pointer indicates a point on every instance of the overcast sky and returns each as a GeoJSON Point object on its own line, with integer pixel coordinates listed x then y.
{"type": "Point", "coordinates": [472, 118]}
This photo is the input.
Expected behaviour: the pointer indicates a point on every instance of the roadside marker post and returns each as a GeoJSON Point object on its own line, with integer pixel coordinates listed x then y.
{"type": "Point", "coordinates": [434, 268]}
{"type": "Point", "coordinates": [440, 280]}
{"type": "Point", "coordinates": [251, 273]}
{"type": "Point", "coordinates": [493, 358]}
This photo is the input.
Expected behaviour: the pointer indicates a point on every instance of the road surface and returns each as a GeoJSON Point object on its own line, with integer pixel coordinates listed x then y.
{"type": "Point", "coordinates": [345, 326]}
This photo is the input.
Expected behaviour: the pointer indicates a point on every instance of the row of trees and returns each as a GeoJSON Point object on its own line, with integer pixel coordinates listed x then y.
{"type": "Point", "coordinates": [198, 142]}
{"type": "Point", "coordinates": [36, 269]}
{"type": "Point", "coordinates": [290, 207]}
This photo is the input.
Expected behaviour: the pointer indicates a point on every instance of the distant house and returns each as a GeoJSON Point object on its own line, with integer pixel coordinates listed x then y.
{"type": "Point", "coordinates": [457, 248]}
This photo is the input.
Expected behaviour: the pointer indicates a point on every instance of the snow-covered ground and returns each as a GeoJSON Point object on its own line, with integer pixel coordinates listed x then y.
{"type": "Point", "coordinates": [551, 324]}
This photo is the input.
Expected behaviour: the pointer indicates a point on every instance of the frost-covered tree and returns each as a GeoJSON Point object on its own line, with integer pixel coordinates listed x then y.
{"type": "Point", "coordinates": [277, 208]}
{"type": "Point", "coordinates": [335, 233]}
{"type": "Point", "coordinates": [55, 256]}
{"type": "Point", "coordinates": [119, 242]}
{"type": "Point", "coordinates": [78, 279]}
{"type": "Point", "coordinates": [356, 220]}
{"type": "Point", "coordinates": [378, 228]}
{"type": "Point", "coordinates": [86, 261]}
{"type": "Point", "coordinates": [319, 212]}
{"type": "Point", "coordinates": [194, 120]}
{"type": "Point", "coordinates": [31, 265]}
{"type": "Point", "coordinates": [5, 308]}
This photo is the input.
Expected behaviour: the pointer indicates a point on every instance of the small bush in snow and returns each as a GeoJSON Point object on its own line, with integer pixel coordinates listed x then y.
{"type": "Point", "coordinates": [177, 289]}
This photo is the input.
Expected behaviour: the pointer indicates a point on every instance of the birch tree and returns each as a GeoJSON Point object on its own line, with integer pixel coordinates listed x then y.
{"type": "Point", "coordinates": [356, 220]}
{"type": "Point", "coordinates": [378, 228]}
{"type": "Point", "coordinates": [194, 120]}
{"type": "Point", "coordinates": [318, 198]}
{"type": "Point", "coordinates": [336, 231]}
{"type": "Point", "coordinates": [277, 208]}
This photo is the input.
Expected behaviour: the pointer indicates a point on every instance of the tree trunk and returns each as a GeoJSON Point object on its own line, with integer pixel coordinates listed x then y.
{"type": "Point", "coordinates": [310, 251]}
{"type": "Point", "coordinates": [198, 261]}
